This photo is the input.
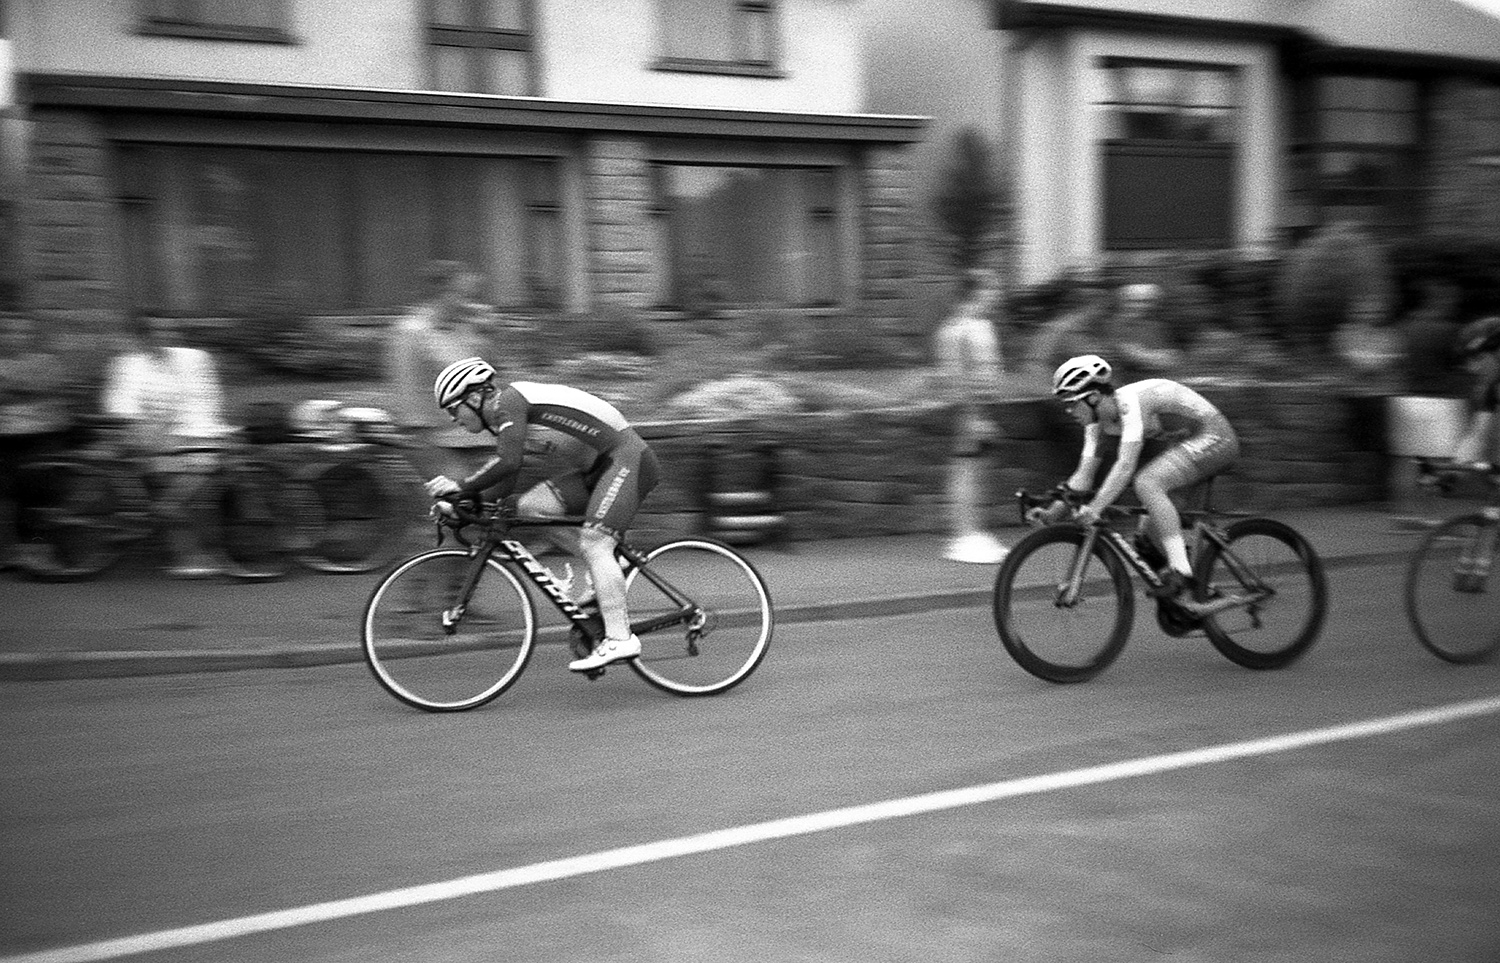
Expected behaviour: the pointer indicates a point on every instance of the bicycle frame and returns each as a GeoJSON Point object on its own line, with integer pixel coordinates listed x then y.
{"type": "Point", "coordinates": [1200, 529]}
{"type": "Point", "coordinates": [512, 550]}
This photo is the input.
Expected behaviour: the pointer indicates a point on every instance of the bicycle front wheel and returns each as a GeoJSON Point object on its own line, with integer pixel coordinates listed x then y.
{"type": "Point", "coordinates": [1048, 634]}
{"type": "Point", "coordinates": [1452, 599]}
{"type": "Point", "coordinates": [436, 648]}
{"type": "Point", "coordinates": [1268, 560]}
{"type": "Point", "coordinates": [703, 614]}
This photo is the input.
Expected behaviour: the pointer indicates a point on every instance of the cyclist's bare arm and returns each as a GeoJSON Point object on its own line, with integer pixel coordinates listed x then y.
{"type": "Point", "coordinates": [1119, 475]}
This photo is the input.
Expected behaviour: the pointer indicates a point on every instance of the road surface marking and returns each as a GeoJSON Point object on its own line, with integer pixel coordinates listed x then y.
{"type": "Point", "coordinates": [745, 835]}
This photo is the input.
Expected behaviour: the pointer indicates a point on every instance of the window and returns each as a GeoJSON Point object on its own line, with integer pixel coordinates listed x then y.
{"type": "Point", "coordinates": [253, 20]}
{"type": "Point", "coordinates": [483, 46]}
{"type": "Point", "coordinates": [747, 235]}
{"type": "Point", "coordinates": [1359, 155]}
{"type": "Point", "coordinates": [1487, 124]}
{"type": "Point", "coordinates": [215, 231]}
{"type": "Point", "coordinates": [718, 36]}
{"type": "Point", "coordinates": [1169, 152]}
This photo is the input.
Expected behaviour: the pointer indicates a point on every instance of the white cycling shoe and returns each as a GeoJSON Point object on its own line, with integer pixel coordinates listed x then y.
{"type": "Point", "coordinates": [607, 651]}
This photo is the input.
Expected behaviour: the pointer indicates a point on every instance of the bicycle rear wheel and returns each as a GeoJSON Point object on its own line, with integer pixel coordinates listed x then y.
{"type": "Point", "coordinates": [1452, 596]}
{"type": "Point", "coordinates": [711, 613]}
{"type": "Point", "coordinates": [434, 649]}
{"type": "Point", "coordinates": [79, 516]}
{"type": "Point", "coordinates": [263, 517]}
{"type": "Point", "coordinates": [1054, 640]}
{"type": "Point", "coordinates": [362, 517]}
{"type": "Point", "coordinates": [1263, 554]}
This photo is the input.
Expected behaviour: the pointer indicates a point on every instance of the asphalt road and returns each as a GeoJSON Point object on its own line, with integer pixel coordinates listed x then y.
{"type": "Point", "coordinates": [137, 807]}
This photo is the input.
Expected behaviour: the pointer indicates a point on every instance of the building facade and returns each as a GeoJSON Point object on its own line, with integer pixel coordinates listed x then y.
{"type": "Point", "coordinates": [1133, 127]}
{"type": "Point", "coordinates": [205, 157]}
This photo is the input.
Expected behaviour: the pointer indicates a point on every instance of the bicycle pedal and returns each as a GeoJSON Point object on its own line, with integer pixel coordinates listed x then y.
{"type": "Point", "coordinates": [594, 674]}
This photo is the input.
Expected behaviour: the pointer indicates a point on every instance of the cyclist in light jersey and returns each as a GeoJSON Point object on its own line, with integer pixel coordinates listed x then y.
{"type": "Point", "coordinates": [1202, 444]}
{"type": "Point", "coordinates": [597, 466]}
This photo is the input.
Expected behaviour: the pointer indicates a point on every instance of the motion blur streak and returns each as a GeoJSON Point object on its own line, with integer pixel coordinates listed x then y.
{"type": "Point", "coordinates": [744, 835]}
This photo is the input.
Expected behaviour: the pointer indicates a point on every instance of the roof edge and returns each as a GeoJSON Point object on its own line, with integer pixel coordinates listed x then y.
{"type": "Point", "coordinates": [363, 104]}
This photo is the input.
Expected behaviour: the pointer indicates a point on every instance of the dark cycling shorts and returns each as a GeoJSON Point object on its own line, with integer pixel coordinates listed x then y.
{"type": "Point", "coordinates": [610, 492]}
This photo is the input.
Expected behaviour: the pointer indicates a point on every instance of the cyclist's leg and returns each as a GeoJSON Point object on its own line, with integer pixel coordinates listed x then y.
{"type": "Point", "coordinates": [1185, 463]}
{"type": "Point", "coordinates": [628, 477]}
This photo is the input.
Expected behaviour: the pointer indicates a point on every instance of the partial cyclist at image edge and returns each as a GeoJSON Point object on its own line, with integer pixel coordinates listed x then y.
{"type": "Point", "coordinates": [599, 467]}
{"type": "Point", "coordinates": [1201, 444]}
{"type": "Point", "coordinates": [1478, 349]}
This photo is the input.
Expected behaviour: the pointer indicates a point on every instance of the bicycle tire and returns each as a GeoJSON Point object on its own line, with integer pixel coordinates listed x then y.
{"type": "Point", "coordinates": [361, 517]}
{"type": "Point", "coordinates": [1456, 618]}
{"type": "Point", "coordinates": [735, 623]}
{"type": "Point", "coordinates": [262, 517]}
{"type": "Point", "coordinates": [78, 519]}
{"type": "Point", "coordinates": [1038, 566]}
{"type": "Point", "coordinates": [430, 666]}
{"type": "Point", "coordinates": [1282, 559]}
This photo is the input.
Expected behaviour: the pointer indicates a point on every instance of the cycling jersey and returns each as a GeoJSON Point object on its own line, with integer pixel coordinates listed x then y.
{"type": "Point", "coordinates": [596, 464]}
{"type": "Point", "coordinates": [1158, 409]}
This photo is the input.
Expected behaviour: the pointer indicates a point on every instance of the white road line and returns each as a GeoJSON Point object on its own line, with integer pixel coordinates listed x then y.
{"type": "Point", "coordinates": [745, 835]}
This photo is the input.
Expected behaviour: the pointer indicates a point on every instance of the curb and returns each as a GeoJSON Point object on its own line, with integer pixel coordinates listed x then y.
{"type": "Point", "coordinates": [57, 666]}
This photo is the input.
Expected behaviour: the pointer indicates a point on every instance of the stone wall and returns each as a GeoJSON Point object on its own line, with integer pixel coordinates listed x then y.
{"type": "Point", "coordinates": [866, 473]}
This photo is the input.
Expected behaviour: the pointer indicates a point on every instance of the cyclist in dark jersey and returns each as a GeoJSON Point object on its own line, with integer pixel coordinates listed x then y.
{"type": "Point", "coordinates": [1479, 348]}
{"type": "Point", "coordinates": [597, 466]}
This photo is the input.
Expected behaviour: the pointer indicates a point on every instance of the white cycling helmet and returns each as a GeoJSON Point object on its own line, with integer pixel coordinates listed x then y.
{"type": "Point", "coordinates": [1078, 376]}
{"type": "Point", "coordinates": [460, 378]}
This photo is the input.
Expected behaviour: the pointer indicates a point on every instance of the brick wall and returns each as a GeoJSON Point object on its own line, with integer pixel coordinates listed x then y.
{"type": "Point", "coordinates": [617, 191]}
{"type": "Point", "coordinates": [854, 474]}
{"type": "Point", "coordinates": [68, 222]}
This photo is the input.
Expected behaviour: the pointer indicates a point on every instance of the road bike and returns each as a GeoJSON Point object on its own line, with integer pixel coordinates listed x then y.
{"type": "Point", "coordinates": [1451, 598]}
{"type": "Point", "coordinates": [1064, 604]}
{"type": "Point", "coordinates": [450, 629]}
{"type": "Point", "coordinates": [97, 502]}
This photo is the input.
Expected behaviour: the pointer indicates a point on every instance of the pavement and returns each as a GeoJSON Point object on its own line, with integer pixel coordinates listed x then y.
{"type": "Point", "coordinates": [138, 622]}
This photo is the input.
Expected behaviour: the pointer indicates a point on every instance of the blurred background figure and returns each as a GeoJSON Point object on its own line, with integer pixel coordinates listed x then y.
{"type": "Point", "coordinates": [446, 326]}
{"type": "Point", "coordinates": [169, 404]}
{"type": "Point", "coordinates": [33, 418]}
{"type": "Point", "coordinates": [969, 373]}
{"type": "Point", "coordinates": [1078, 327]}
{"type": "Point", "coordinates": [1136, 336]}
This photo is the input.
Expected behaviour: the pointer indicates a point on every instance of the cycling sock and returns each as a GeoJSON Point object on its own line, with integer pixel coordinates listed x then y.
{"type": "Point", "coordinates": [1176, 548]}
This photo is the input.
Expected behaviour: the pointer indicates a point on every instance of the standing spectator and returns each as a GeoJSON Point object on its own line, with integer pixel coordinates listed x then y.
{"type": "Point", "coordinates": [171, 405]}
{"type": "Point", "coordinates": [968, 354]}
{"type": "Point", "coordinates": [32, 418]}
{"type": "Point", "coordinates": [437, 332]}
